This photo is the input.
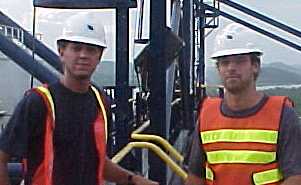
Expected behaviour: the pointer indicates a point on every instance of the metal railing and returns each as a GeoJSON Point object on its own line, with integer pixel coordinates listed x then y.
{"type": "Point", "coordinates": [144, 143]}
{"type": "Point", "coordinates": [16, 34]}
{"type": "Point", "coordinates": [157, 139]}
{"type": "Point", "coordinates": [157, 150]}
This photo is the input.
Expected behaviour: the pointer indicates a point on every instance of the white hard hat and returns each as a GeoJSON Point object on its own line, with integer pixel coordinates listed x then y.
{"type": "Point", "coordinates": [84, 28]}
{"type": "Point", "coordinates": [234, 39]}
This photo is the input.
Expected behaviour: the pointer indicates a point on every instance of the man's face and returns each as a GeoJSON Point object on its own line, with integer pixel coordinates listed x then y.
{"type": "Point", "coordinates": [80, 60]}
{"type": "Point", "coordinates": [237, 72]}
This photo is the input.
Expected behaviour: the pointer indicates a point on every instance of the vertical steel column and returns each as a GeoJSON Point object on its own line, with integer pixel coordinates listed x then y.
{"type": "Point", "coordinates": [201, 49]}
{"type": "Point", "coordinates": [193, 53]}
{"type": "Point", "coordinates": [122, 78]}
{"type": "Point", "coordinates": [187, 62]}
{"type": "Point", "coordinates": [158, 85]}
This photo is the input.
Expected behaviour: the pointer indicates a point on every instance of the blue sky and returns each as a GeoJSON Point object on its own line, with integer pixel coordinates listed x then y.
{"type": "Point", "coordinates": [285, 11]}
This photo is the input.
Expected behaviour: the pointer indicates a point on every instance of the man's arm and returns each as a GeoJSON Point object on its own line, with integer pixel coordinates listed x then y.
{"type": "Point", "coordinates": [292, 180]}
{"type": "Point", "coordinates": [289, 152]}
{"type": "Point", "coordinates": [26, 119]}
{"type": "Point", "coordinates": [195, 160]}
{"type": "Point", "coordinates": [4, 179]}
{"type": "Point", "coordinates": [119, 175]}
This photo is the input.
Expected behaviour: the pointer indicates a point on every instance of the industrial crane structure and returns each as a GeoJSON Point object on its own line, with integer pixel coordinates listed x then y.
{"type": "Point", "coordinates": [170, 72]}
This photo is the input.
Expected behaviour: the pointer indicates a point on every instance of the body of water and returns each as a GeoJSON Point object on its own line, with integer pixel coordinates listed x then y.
{"type": "Point", "coordinates": [278, 86]}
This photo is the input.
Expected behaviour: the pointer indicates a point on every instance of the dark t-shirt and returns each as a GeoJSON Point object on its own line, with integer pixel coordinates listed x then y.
{"type": "Point", "coordinates": [75, 155]}
{"type": "Point", "coordinates": [288, 150]}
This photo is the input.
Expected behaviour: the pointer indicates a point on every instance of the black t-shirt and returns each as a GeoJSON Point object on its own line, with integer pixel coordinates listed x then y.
{"type": "Point", "coordinates": [288, 146]}
{"type": "Point", "coordinates": [75, 155]}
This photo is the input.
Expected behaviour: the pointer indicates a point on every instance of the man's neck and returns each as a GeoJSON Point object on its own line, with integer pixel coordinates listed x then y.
{"type": "Point", "coordinates": [80, 86]}
{"type": "Point", "coordinates": [242, 101]}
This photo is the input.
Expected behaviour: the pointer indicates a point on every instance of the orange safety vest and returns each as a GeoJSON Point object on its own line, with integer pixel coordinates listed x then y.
{"type": "Point", "coordinates": [241, 150]}
{"type": "Point", "coordinates": [43, 174]}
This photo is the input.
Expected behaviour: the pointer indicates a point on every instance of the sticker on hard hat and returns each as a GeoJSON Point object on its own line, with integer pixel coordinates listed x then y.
{"type": "Point", "coordinates": [90, 27]}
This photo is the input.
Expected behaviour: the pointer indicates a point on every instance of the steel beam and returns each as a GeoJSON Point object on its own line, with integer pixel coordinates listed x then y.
{"type": "Point", "coordinates": [85, 4]}
{"type": "Point", "coordinates": [122, 89]}
{"type": "Point", "coordinates": [185, 65]}
{"type": "Point", "coordinates": [255, 28]}
{"type": "Point", "coordinates": [157, 85]}
{"type": "Point", "coordinates": [262, 17]}
{"type": "Point", "coordinates": [24, 60]}
{"type": "Point", "coordinates": [29, 41]}
{"type": "Point", "coordinates": [200, 70]}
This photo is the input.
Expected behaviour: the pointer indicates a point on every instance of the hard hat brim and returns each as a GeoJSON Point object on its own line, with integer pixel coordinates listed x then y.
{"type": "Point", "coordinates": [85, 40]}
{"type": "Point", "coordinates": [229, 52]}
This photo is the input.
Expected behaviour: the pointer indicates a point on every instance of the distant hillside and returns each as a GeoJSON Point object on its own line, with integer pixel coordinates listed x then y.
{"type": "Point", "coordinates": [271, 74]}
{"type": "Point", "coordinates": [278, 75]}
{"type": "Point", "coordinates": [296, 68]}
{"type": "Point", "coordinates": [105, 74]}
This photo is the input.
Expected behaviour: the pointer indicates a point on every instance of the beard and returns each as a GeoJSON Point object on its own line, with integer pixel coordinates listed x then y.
{"type": "Point", "coordinates": [236, 86]}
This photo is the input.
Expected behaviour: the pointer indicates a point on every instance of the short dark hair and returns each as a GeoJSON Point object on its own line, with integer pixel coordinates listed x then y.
{"type": "Point", "coordinates": [62, 43]}
{"type": "Point", "coordinates": [255, 59]}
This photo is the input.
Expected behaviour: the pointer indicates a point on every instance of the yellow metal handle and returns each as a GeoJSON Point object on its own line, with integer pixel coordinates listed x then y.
{"type": "Point", "coordinates": [157, 150]}
{"type": "Point", "coordinates": [142, 127]}
{"type": "Point", "coordinates": [148, 137]}
{"type": "Point", "coordinates": [163, 142]}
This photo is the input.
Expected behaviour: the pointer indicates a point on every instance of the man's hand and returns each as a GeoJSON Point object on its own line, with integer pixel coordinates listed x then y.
{"type": "Point", "coordinates": [139, 180]}
{"type": "Point", "coordinates": [119, 175]}
{"type": "Point", "coordinates": [193, 180]}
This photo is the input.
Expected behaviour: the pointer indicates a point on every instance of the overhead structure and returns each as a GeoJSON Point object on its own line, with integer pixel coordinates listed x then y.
{"type": "Point", "coordinates": [171, 66]}
{"type": "Point", "coordinates": [24, 60]}
{"type": "Point", "coordinates": [85, 4]}
{"type": "Point", "coordinates": [32, 43]}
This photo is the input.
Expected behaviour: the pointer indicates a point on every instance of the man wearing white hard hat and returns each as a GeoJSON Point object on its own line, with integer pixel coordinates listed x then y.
{"type": "Point", "coordinates": [60, 129]}
{"type": "Point", "coordinates": [248, 137]}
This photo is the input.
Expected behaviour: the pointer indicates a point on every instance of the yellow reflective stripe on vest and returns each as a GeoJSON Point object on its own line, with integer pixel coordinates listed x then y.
{"type": "Point", "coordinates": [267, 177]}
{"type": "Point", "coordinates": [240, 156]}
{"type": "Point", "coordinates": [96, 92]}
{"type": "Point", "coordinates": [49, 97]}
{"type": "Point", "coordinates": [235, 135]}
{"type": "Point", "coordinates": [209, 174]}
{"type": "Point", "coordinates": [50, 100]}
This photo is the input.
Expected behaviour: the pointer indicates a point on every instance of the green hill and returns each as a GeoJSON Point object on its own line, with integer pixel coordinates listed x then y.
{"type": "Point", "coordinates": [291, 68]}
{"type": "Point", "coordinates": [271, 74]}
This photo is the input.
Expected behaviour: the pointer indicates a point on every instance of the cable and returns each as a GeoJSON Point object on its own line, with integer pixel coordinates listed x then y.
{"type": "Point", "coordinates": [33, 42]}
